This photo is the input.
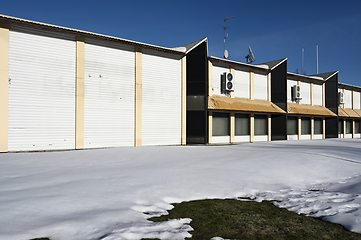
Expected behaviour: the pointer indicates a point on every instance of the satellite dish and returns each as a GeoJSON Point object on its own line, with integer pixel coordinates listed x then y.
{"type": "Point", "coordinates": [225, 54]}
{"type": "Point", "coordinates": [250, 57]}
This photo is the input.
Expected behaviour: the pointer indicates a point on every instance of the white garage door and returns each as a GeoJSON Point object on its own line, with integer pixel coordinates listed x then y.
{"type": "Point", "coordinates": [109, 95]}
{"type": "Point", "coordinates": [161, 99]}
{"type": "Point", "coordinates": [41, 92]}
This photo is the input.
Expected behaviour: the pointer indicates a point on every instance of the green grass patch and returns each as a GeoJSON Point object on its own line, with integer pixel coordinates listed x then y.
{"type": "Point", "coordinates": [233, 219]}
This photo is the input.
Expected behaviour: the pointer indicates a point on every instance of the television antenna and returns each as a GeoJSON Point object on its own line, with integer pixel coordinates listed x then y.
{"type": "Point", "coordinates": [225, 51]}
{"type": "Point", "coordinates": [250, 56]}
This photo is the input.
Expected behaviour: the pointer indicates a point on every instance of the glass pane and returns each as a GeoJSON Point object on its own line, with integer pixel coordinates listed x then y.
{"type": "Point", "coordinates": [260, 125]}
{"type": "Point", "coordinates": [357, 126]}
{"type": "Point", "coordinates": [348, 126]}
{"type": "Point", "coordinates": [318, 123]}
{"type": "Point", "coordinates": [305, 125]}
{"type": "Point", "coordinates": [220, 125]}
{"type": "Point", "coordinates": [340, 126]}
{"type": "Point", "coordinates": [241, 124]}
{"type": "Point", "coordinates": [292, 126]}
{"type": "Point", "coordinates": [195, 102]}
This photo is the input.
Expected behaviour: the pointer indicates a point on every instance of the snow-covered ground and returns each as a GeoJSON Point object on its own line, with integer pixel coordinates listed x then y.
{"type": "Point", "coordinates": [104, 194]}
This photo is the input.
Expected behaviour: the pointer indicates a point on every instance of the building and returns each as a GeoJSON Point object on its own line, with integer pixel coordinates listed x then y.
{"type": "Point", "coordinates": [62, 88]}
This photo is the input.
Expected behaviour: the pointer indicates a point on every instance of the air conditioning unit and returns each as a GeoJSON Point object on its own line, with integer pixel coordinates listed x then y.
{"type": "Point", "coordinates": [341, 99]}
{"type": "Point", "coordinates": [227, 82]}
{"type": "Point", "coordinates": [296, 90]}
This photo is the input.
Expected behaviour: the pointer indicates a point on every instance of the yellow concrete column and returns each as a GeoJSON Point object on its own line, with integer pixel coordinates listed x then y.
{"type": "Point", "coordinates": [269, 127]}
{"type": "Point", "coordinates": [311, 93]}
{"type": "Point", "coordinates": [79, 118]}
{"type": "Point", "coordinates": [299, 128]}
{"type": "Point", "coordinates": [353, 128]}
{"type": "Point", "coordinates": [269, 86]}
{"type": "Point", "coordinates": [232, 127]}
{"type": "Point", "coordinates": [251, 126]}
{"type": "Point", "coordinates": [312, 128]}
{"type": "Point", "coordinates": [344, 128]}
{"type": "Point", "coordinates": [210, 85]}
{"type": "Point", "coordinates": [251, 85]}
{"type": "Point", "coordinates": [210, 125]}
{"type": "Point", "coordinates": [138, 98]}
{"type": "Point", "coordinates": [324, 128]}
{"type": "Point", "coordinates": [323, 95]}
{"type": "Point", "coordinates": [184, 101]}
{"type": "Point", "coordinates": [4, 86]}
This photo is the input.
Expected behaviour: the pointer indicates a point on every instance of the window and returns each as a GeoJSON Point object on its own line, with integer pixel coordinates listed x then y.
{"type": "Point", "coordinates": [292, 126]}
{"type": "Point", "coordinates": [357, 126]}
{"type": "Point", "coordinates": [340, 126]}
{"type": "Point", "coordinates": [318, 126]}
{"type": "Point", "coordinates": [220, 124]}
{"type": "Point", "coordinates": [305, 125]}
{"type": "Point", "coordinates": [260, 125]}
{"type": "Point", "coordinates": [241, 124]}
{"type": "Point", "coordinates": [348, 126]}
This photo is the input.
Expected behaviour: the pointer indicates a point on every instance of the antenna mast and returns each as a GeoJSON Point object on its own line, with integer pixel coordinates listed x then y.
{"type": "Point", "coordinates": [316, 58]}
{"type": "Point", "coordinates": [303, 61]}
{"type": "Point", "coordinates": [225, 52]}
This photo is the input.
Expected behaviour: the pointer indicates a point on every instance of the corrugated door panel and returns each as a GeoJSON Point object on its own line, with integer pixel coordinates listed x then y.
{"type": "Point", "coordinates": [356, 100]}
{"type": "Point", "coordinates": [260, 86]}
{"type": "Point", "coordinates": [348, 98]}
{"type": "Point", "coordinates": [109, 95]}
{"type": "Point", "coordinates": [317, 94]}
{"type": "Point", "coordinates": [216, 79]}
{"type": "Point", "coordinates": [290, 84]}
{"type": "Point", "coordinates": [161, 98]}
{"type": "Point", "coordinates": [306, 92]}
{"type": "Point", "coordinates": [41, 92]}
{"type": "Point", "coordinates": [241, 84]}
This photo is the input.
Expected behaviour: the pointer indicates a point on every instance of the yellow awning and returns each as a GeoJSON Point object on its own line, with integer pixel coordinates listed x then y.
{"type": "Point", "coordinates": [349, 113]}
{"type": "Point", "coordinates": [342, 113]}
{"type": "Point", "coordinates": [358, 111]}
{"type": "Point", "coordinates": [242, 104]}
{"type": "Point", "coordinates": [304, 109]}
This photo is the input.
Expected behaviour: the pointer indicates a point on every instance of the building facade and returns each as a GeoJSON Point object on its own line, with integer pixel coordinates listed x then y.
{"type": "Point", "coordinates": [63, 88]}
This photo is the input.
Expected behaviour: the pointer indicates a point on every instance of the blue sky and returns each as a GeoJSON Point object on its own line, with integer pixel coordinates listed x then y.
{"type": "Point", "coordinates": [273, 29]}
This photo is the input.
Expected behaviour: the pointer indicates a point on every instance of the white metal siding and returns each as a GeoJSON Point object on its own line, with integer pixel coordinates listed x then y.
{"type": "Point", "coordinates": [221, 139]}
{"type": "Point", "coordinates": [356, 100]}
{"type": "Point", "coordinates": [161, 100]}
{"type": "Point", "coordinates": [109, 95]}
{"type": "Point", "coordinates": [305, 137]}
{"type": "Point", "coordinates": [241, 84]}
{"type": "Point", "coordinates": [305, 93]}
{"type": "Point", "coordinates": [290, 84]}
{"type": "Point", "coordinates": [41, 92]}
{"type": "Point", "coordinates": [242, 138]}
{"type": "Point", "coordinates": [317, 94]}
{"type": "Point", "coordinates": [292, 137]}
{"type": "Point", "coordinates": [348, 98]}
{"type": "Point", "coordinates": [260, 86]}
{"type": "Point", "coordinates": [260, 138]}
{"type": "Point", "coordinates": [318, 136]}
{"type": "Point", "coordinates": [216, 79]}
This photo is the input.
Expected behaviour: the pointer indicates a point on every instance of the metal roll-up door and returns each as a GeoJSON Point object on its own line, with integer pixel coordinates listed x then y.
{"type": "Point", "coordinates": [108, 95]}
{"type": "Point", "coordinates": [41, 91]}
{"type": "Point", "coordinates": [161, 98]}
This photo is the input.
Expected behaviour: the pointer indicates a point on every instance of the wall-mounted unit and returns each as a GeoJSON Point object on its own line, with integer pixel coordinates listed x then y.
{"type": "Point", "coordinates": [227, 82]}
{"type": "Point", "coordinates": [296, 92]}
{"type": "Point", "coordinates": [341, 99]}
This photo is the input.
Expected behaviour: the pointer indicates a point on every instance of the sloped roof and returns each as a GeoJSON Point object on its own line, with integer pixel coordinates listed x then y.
{"type": "Point", "coordinates": [242, 104]}
{"type": "Point", "coordinates": [190, 46]}
{"type": "Point", "coordinates": [326, 75]}
{"type": "Point", "coordinates": [273, 64]}
{"type": "Point", "coordinates": [80, 33]}
{"type": "Point", "coordinates": [227, 61]}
